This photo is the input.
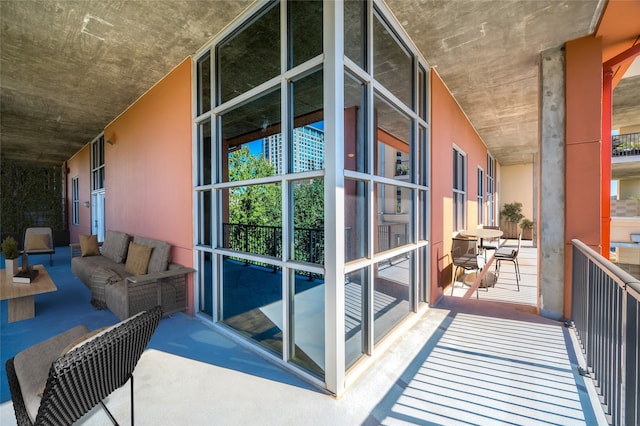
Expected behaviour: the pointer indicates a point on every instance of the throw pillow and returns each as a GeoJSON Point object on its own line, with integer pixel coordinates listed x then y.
{"type": "Point", "coordinates": [37, 242]}
{"type": "Point", "coordinates": [89, 245]}
{"type": "Point", "coordinates": [137, 259]}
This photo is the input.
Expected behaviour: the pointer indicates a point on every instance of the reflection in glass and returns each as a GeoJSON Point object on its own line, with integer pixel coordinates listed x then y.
{"type": "Point", "coordinates": [206, 284]}
{"type": "Point", "coordinates": [252, 301]}
{"type": "Point", "coordinates": [422, 93]}
{"type": "Point", "coordinates": [252, 219]}
{"type": "Point", "coordinates": [256, 43]}
{"type": "Point", "coordinates": [354, 311]}
{"type": "Point", "coordinates": [395, 220]}
{"type": "Point", "coordinates": [308, 132]}
{"type": "Point", "coordinates": [354, 31]}
{"type": "Point", "coordinates": [248, 134]}
{"type": "Point", "coordinates": [391, 284]}
{"type": "Point", "coordinates": [204, 83]}
{"type": "Point", "coordinates": [423, 157]}
{"type": "Point", "coordinates": [423, 220]}
{"type": "Point", "coordinates": [308, 322]}
{"type": "Point", "coordinates": [392, 156]}
{"type": "Point", "coordinates": [204, 136]}
{"type": "Point", "coordinates": [392, 63]}
{"type": "Point", "coordinates": [205, 220]}
{"type": "Point", "coordinates": [423, 277]}
{"type": "Point", "coordinates": [356, 219]}
{"type": "Point", "coordinates": [305, 30]}
{"type": "Point", "coordinates": [308, 220]}
{"type": "Point", "coordinates": [355, 149]}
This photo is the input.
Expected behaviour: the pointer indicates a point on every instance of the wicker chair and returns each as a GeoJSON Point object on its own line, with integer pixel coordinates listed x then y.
{"type": "Point", "coordinates": [81, 378]}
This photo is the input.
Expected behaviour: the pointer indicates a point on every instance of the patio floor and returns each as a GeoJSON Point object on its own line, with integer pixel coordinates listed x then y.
{"type": "Point", "coordinates": [465, 361]}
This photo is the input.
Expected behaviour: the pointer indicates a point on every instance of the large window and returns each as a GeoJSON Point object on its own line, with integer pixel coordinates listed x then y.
{"type": "Point", "coordinates": [459, 190]}
{"type": "Point", "coordinates": [491, 191]}
{"type": "Point", "coordinates": [480, 196]}
{"type": "Point", "coordinates": [271, 167]}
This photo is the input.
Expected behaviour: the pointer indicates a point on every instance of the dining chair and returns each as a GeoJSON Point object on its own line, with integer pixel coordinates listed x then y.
{"type": "Point", "coordinates": [509, 254]}
{"type": "Point", "coordinates": [463, 255]}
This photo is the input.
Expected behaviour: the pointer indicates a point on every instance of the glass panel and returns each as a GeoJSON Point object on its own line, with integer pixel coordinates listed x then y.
{"type": "Point", "coordinates": [252, 301]}
{"type": "Point", "coordinates": [252, 219]}
{"type": "Point", "coordinates": [391, 62]}
{"type": "Point", "coordinates": [423, 157]}
{"type": "Point", "coordinates": [308, 132]}
{"type": "Point", "coordinates": [392, 156]}
{"type": "Point", "coordinates": [308, 322]}
{"type": "Point", "coordinates": [356, 219]}
{"type": "Point", "coordinates": [308, 221]}
{"type": "Point", "coordinates": [354, 295]}
{"type": "Point", "coordinates": [206, 284]}
{"type": "Point", "coordinates": [206, 220]}
{"type": "Point", "coordinates": [204, 84]}
{"type": "Point", "coordinates": [423, 215]}
{"type": "Point", "coordinates": [395, 207]}
{"type": "Point", "coordinates": [251, 139]}
{"type": "Point", "coordinates": [354, 31]}
{"type": "Point", "coordinates": [355, 149]}
{"type": "Point", "coordinates": [391, 285]}
{"type": "Point", "coordinates": [422, 93]}
{"type": "Point", "coordinates": [257, 43]}
{"type": "Point", "coordinates": [305, 30]}
{"type": "Point", "coordinates": [424, 278]}
{"type": "Point", "coordinates": [204, 130]}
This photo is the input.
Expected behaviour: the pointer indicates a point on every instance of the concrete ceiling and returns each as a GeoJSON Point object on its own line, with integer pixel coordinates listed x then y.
{"type": "Point", "coordinates": [67, 68]}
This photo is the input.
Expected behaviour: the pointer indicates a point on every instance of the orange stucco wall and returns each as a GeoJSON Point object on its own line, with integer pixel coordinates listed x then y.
{"type": "Point", "coordinates": [79, 166]}
{"type": "Point", "coordinates": [148, 169]}
{"type": "Point", "coordinates": [449, 127]}
{"type": "Point", "coordinates": [583, 91]}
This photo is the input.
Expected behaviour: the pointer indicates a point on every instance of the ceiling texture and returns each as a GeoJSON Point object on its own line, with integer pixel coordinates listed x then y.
{"type": "Point", "coordinates": [69, 67]}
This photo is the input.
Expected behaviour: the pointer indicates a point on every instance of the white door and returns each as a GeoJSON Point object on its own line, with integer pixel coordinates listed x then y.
{"type": "Point", "coordinates": [97, 214]}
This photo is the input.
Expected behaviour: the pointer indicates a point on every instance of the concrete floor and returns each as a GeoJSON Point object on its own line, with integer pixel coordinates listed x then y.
{"type": "Point", "coordinates": [466, 361]}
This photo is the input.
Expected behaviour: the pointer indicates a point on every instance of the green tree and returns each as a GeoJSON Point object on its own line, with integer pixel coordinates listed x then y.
{"type": "Point", "coordinates": [253, 204]}
{"type": "Point", "coordinates": [309, 204]}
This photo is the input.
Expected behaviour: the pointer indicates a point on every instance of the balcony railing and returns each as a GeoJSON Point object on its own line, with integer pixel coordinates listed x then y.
{"type": "Point", "coordinates": [625, 145]}
{"type": "Point", "coordinates": [606, 315]}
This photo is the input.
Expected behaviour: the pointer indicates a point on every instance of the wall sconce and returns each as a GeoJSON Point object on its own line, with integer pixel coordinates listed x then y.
{"type": "Point", "coordinates": [112, 140]}
{"type": "Point", "coordinates": [86, 204]}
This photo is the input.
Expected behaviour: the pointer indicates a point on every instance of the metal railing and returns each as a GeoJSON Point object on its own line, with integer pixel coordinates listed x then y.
{"type": "Point", "coordinates": [606, 316]}
{"type": "Point", "coordinates": [625, 145]}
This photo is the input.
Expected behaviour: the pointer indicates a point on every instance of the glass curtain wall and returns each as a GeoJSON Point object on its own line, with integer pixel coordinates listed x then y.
{"type": "Point", "coordinates": [261, 176]}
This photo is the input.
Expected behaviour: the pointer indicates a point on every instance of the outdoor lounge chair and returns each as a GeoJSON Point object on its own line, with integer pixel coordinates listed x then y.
{"type": "Point", "coordinates": [39, 241]}
{"type": "Point", "coordinates": [80, 378]}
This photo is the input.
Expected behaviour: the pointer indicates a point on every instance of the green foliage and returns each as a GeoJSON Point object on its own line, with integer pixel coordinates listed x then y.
{"type": "Point", "coordinates": [512, 212]}
{"type": "Point", "coordinates": [308, 204]}
{"type": "Point", "coordinates": [253, 204]}
{"type": "Point", "coordinates": [10, 248]}
{"type": "Point", "coordinates": [262, 204]}
{"type": "Point", "coordinates": [31, 196]}
{"type": "Point", "coordinates": [526, 224]}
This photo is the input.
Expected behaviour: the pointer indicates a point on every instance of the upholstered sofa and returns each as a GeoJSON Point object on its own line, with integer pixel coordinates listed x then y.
{"type": "Point", "coordinates": [130, 274]}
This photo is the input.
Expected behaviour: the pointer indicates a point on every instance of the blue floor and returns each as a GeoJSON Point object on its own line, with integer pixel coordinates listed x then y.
{"type": "Point", "coordinates": [69, 306]}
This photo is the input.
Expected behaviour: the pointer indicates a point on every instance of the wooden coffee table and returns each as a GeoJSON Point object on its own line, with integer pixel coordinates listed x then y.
{"type": "Point", "coordinates": [21, 296]}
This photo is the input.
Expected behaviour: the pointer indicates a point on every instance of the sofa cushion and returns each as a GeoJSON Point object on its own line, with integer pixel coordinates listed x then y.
{"type": "Point", "coordinates": [160, 259]}
{"type": "Point", "coordinates": [32, 366]}
{"type": "Point", "coordinates": [89, 245]}
{"type": "Point", "coordinates": [115, 246]}
{"type": "Point", "coordinates": [138, 259]}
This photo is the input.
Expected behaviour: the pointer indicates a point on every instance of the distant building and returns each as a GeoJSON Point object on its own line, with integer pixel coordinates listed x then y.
{"type": "Point", "coordinates": [308, 146]}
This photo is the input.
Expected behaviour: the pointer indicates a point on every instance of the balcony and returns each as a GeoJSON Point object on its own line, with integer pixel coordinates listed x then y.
{"type": "Point", "coordinates": [465, 360]}
{"type": "Point", "coordinates": [625, 145]}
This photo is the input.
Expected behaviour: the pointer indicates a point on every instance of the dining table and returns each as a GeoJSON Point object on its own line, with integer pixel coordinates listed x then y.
{"type": "Point", "coordinates": [482, 233]}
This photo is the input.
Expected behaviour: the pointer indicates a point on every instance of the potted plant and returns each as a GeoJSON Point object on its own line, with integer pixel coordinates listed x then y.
{"type": "Point", "coordinates": [10, 252]}
{"type": "Point", "coordinates": [511, 213]}
{"type": "Point", "coordinates": [527, 229]}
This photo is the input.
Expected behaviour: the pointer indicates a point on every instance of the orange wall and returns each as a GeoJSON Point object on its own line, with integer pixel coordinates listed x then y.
{"type": "Point", "coordinates": [148, 169]}
{"type": "Point", "coordinates": [449, 127]}
{"type": "Point", "coordinates": [79, 165]}
{"type": "Point", "coordinates": [583, 69]}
